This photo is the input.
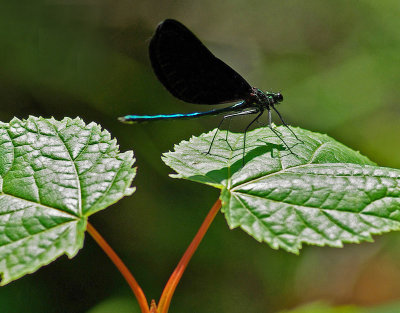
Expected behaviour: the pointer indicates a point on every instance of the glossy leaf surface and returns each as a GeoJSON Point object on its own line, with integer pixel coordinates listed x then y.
{"type": "Point", "coordinates": [54, 174]}
{"type": "Point", "coordinates": [323, 193]}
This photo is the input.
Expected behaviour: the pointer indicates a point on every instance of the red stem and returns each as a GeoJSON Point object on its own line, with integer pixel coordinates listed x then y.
{"type": "Point", "coordinates": [173, 281]}
{"type": "Point", "coordinates": [144, 306]}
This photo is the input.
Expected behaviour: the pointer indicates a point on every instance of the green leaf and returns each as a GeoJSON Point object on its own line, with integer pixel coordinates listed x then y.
{"type": "Point", "coordinates": [321, 307]}
{"type": "Point", "coordinates": [116, 305]}
{"type": "Point", "coordinates": [324, 308]}
{"type": "Point", "coordinates": [323, 193]}
{"type": "Point", "coordinates": [393, 307]}
{"type": "Point", "coordinates": [54, 175]}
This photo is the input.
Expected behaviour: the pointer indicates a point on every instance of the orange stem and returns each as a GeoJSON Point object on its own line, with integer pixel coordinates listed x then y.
{"type": "Point", "coordinates": [144, 306]}
{"type": "Point", "coordinates": [173, 281]}
{"type": "Point", "coordinates": [153, 307]}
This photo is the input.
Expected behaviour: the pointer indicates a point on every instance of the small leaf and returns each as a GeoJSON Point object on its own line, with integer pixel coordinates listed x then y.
{"type": "Point", "coordinates": [321, 307]}
{"type": "Point", "coordinates": [54, 174]}
{"type": "Point", "coordinates": [116, 305]}
{"type": "Point", "coordinates": [325, 308]}
{"type": "Point", "coordinates": [323, 193]}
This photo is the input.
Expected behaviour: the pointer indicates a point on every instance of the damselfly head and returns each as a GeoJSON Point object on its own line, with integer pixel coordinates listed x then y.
{"type": "Point", "coordinates": [271, 98]}
{"type": "Point", "coordinates": [277, 97]}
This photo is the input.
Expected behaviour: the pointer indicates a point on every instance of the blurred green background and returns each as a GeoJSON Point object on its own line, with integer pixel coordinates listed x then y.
{"type": "Point", "coordinates": [336, 63]}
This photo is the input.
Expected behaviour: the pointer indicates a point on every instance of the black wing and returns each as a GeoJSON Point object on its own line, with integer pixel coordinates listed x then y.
{"type": "Point", "coordinates": [190, 71]}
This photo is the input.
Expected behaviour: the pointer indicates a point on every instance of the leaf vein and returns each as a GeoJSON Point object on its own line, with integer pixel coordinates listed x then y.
{"type": "Point", "coordinates": [38, 233]}
{"type": "Point", "coordinates": [75, 168]}
{"type": "Point", "coordinates": [263, 223]}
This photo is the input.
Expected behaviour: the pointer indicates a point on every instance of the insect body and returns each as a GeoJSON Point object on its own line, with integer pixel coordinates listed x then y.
{"type": "Point", "coordinates": [190, 72]}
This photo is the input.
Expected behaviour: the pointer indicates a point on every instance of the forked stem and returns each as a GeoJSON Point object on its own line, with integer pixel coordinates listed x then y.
{"type": "Point", "coordinates": [168, 292]}
{"type": "Point", "coordinates": [174, 279]}
{"type": "Point", "coordinates": [144, 306]}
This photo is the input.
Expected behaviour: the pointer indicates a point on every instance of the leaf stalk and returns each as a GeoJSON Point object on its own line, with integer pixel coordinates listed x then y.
{"type": "Point", "coordinates": [168, 292]}
{"type": "Point", "coordinates": [138, 292]}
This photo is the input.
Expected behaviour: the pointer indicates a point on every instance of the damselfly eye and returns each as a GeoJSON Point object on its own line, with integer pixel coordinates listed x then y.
{"type": "Point", "coordinates": [278, 97]}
